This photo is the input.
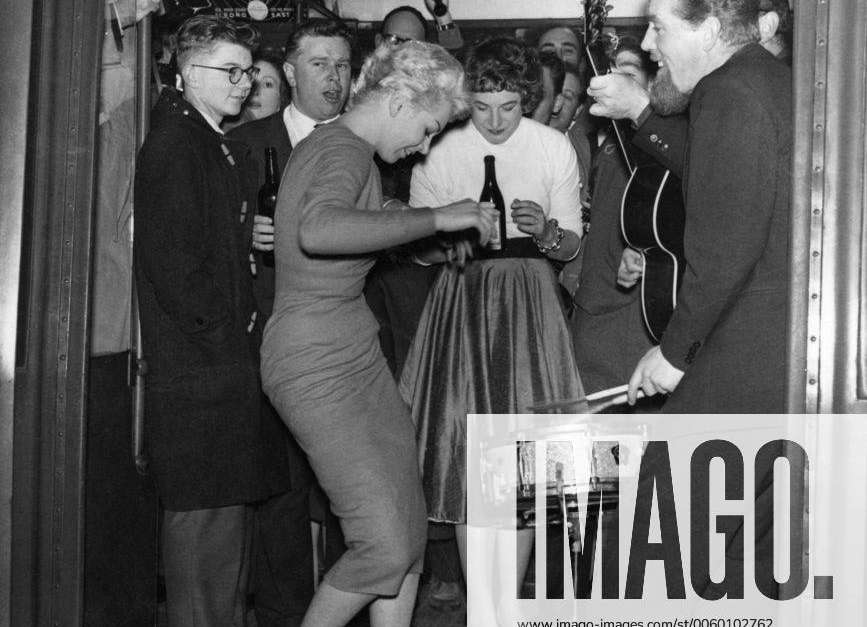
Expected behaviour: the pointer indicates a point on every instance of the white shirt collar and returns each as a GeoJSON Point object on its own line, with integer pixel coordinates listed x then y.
{"type": "Point", "coordinates": [299, 125]}
{"type": "Point", "coordinates": [211, 121]}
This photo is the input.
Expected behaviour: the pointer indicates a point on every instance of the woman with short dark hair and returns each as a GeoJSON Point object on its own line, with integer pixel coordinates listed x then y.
{"type": "Point", "coordinates": [493, 337]}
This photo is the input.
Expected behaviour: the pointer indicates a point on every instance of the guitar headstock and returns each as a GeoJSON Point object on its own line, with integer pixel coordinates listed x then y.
{"type": "Point", "coordinates": [595, 42]}
{"type": "Point", "coordinates": [595, 14]}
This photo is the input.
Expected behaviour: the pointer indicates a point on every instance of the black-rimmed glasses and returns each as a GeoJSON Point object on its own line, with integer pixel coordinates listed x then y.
{"type": "Point", "coordinates": [235, 73]}
{"type": "Point", "coordinates": [395, 40]}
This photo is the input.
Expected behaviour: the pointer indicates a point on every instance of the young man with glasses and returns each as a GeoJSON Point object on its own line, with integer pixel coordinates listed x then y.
{"type": "Point", "coordinates": [235, 73]}
{"type": "Point", "coordinates": [211, 451]}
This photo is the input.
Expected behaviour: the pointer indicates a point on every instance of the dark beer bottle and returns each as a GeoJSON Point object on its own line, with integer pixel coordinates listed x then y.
{"type": "Point", "coordinates": [449, 37]}
{"type": "Point", "coordinates": [268, 196]}
{"type": "Point", "coordinates": [491, 193]}
{"type": "Point", "coordinates": [440, 8]}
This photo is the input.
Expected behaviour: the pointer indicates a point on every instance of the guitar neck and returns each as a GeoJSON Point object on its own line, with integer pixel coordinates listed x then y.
{"type": "Point", "coordinates": [595, 13]}
{"type": "Point", "coordinates": [617, 133]}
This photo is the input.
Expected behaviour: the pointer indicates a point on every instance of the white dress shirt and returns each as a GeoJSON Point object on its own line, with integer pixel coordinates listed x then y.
{"type": "Point", "coordinates": [299, 125]}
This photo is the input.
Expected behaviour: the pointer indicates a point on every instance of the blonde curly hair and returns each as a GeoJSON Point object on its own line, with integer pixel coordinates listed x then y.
{"type": "Point", "coordinates": [424, 73]}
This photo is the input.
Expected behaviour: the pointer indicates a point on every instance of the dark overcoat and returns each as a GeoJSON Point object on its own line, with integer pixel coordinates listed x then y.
{"type": "Point", "coordinates": [728, 332]}
{"type": "Point", "coordinates": [208, 444]}
{"type": "Point", "coordinates": [608, 332]}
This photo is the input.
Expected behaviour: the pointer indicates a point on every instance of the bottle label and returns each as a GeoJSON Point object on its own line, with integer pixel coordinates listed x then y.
{"type": "Point", "coordinates": [496, 241]}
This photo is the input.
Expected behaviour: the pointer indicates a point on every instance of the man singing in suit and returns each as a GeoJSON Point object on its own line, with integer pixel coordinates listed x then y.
{"type": "Point", "coordinates": [317, 66]}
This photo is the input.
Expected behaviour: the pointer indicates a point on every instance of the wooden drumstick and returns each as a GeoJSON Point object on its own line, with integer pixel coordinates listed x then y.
{"type": "Point", "coordinates": [595, 402]}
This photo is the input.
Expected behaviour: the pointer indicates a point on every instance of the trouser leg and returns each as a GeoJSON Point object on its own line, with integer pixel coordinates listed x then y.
{"type": "Point", "coordinates": [206, 556]}
{"type": "Point", "coordinates": [283, 571]}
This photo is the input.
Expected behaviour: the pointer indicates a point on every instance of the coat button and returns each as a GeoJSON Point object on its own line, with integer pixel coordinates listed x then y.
{"type": "Point", "coordinates": [654, 138]}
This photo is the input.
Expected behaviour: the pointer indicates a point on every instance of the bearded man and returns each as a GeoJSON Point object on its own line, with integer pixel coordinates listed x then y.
{"type": "Point", "coordinates": [723, 350]}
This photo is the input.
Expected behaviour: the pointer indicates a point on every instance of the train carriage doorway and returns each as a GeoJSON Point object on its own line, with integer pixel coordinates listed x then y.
{"type": "Point", "coordinates": [49, 148]}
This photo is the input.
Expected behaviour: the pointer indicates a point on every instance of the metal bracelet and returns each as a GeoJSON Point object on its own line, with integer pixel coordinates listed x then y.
{"type": "Point", "coordinates": [558, 238]}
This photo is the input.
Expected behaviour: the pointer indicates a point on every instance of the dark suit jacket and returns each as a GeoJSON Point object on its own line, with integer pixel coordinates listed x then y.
{"type": "Point", "coordinates": [728, 330]}
{"type": "Point", "coordinates": [579, 138]}
{"type": "Point", "coordinates": [259, 135]}
{"type": "Point", "coordinates": [665, 139]}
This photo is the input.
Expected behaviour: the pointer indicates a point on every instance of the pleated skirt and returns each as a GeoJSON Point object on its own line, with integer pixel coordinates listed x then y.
{"type": "Point", "coordinates": [492, 339]}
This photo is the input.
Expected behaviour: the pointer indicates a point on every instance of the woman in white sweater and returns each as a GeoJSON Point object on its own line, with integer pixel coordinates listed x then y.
{"type": "Point", "coordinates": [493, 337]}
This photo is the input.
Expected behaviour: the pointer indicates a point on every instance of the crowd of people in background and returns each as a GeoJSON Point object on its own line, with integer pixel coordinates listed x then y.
{"type": "Point", "coordinates": [333, 386]}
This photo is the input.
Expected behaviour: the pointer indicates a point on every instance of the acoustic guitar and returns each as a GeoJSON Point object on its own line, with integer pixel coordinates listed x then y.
{"type": "Point", "coordinates": [651, 211]}
{"type": "Point", "coordinates": [652, 220]}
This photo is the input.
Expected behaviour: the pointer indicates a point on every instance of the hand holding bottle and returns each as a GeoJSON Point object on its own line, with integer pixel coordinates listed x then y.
{"type": "Point", "coordinates": [461, 226]}
{"type": "Point", "coordinates": [263, 233]}
{"type": "Point", "coordinates": [467, 214]}
{"type": "Point", "coordinates": [264, 219]}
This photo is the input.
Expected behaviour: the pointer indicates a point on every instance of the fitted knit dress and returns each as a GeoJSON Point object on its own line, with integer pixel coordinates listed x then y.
{"type": "Point", "coordinates": [322, 365]}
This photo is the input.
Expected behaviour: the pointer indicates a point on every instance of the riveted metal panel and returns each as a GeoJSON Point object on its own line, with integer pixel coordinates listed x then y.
{"type": "Point", "coordinates": [52, 349]}
{"type": "Point", "coordinates": [828, 315]}
{"type": "Point", "coordinates": [861, 375]}
{"type": "Point", "coordinates": [817, 204]}
{"type": "Point", "coordinates": [841, 361]}
{"type": "Point", "coordinates": [802, 209]}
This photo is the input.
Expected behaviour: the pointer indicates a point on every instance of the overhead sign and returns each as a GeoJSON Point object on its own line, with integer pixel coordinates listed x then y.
{"type": "Point", "coordinates": [257, 10]}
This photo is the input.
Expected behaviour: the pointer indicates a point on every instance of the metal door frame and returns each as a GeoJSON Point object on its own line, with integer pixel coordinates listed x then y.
{"type": "Point", "coordinates": [828, 313]}
{"type": "Point", "coordinates": [15, 39]}
{"type": "Point", "coordinates": [50, 99]}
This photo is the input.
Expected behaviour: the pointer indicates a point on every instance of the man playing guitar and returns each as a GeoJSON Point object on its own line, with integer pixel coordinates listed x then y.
{"type": "Point", "coordinates": [726, 310]}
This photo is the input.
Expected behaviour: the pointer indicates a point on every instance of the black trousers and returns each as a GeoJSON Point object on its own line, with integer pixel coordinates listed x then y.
{"type": "Point", "coordinates": [206, 559]}
{"type": "Point", "coordinates": [283, 573]}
